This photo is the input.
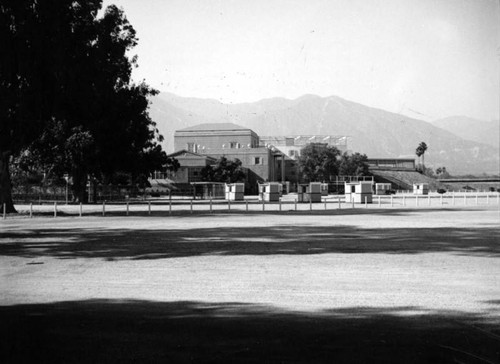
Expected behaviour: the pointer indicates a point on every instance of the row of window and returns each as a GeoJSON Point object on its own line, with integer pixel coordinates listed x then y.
{"type": "Point", "coordinates": [193, 147]}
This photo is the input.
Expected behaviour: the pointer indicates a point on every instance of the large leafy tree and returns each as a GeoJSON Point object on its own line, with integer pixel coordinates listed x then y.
{"type": "Point", "coordinates": [319, 162]}
{"type": "Point", "coordinates": [353, 165]}
{"type": "Point", "coordinates": [224, 170]}
{"type": "Point", "coordinates": [66, 95]}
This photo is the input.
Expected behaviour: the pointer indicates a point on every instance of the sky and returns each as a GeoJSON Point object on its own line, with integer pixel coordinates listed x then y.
{"type": "Point", "coordinates": [427, 59]}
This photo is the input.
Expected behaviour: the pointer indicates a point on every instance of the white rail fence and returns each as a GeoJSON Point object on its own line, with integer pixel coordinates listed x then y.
{"type": "Point", "coordinates": [286, 204]}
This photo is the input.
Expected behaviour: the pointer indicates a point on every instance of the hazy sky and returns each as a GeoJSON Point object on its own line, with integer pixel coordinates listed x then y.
{"type": "Point", "coordinates": [423, 58]}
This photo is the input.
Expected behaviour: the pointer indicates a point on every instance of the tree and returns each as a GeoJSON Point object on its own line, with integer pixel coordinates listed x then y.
{"type": "Point", "coordinates": [66, 95]}
{"type": "Point", "coordinates": [420, 151]}
{"type": "Point", "coordinates": [441, 172]}
{"type": "Point", "coordinates": [318, 162]}
{"type": "Point", "coordinates": [353, 165]}
{"type": "Point", "coordinates": [224, 170]}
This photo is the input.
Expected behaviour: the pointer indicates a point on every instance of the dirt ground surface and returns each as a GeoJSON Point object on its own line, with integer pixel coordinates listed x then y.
{"type": "Point", "coordinates": [360, 286]}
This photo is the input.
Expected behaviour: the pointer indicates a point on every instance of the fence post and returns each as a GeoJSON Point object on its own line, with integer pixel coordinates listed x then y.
{"type": "Point", "coordinates": [404, 200]}
{"type": "Point", "coordinates": [378, 201]}
{"type": "Point", "coordinates": [263, 204]}
{"type": "Point", "coordinates": [366, 202]}
{"type": "Point", "coordinates": [149, 207]}
{"type": "Point", "coordinates": [210, 204]}
{"type": "Point", "coordinates": [325, 204]}
{"type": "Point", "coordinates": [170, 207]}
{"type": "Point", "coordinates": [477, 199]}
{"type": "Point", "coordinates": [352, 201]}
{"type": "Point", "coordinates": [55, 209]}
{"type": "Point", "coordinates": [279, 202]}
{"type": "Point", "coordinates": [81, 209]}
{"type": "Point", "coordinates": [103, 208]}
{"type": "Point", "coordinates": [392, 204]}
{"type": "Point", "coordinates": [339, 204]}
{"type": "Point", "coordinates": [441, 200]}
{"type": "Point", "coordinates": [453, 198]}
{"type": "Point", "coordinates": [31, 210]}
{"type": "Point", "coordinates": [191, 206]}
{"type": "Point", "coordinates": [310, 204]}
{"type": "Point", "coordinates": [429, 200]}
{"type": "Point", "coordinates": [416, 200]}
{"type": "Point", "coordinates": [127, 208]}
{"type": "Point", "coordinates": [465, 198]}
{"type": "Point", "coordinates": [488, 199]}
{"type": "Point", "coordinates": [228, 205]}
{"type": "Point", "coordinates": [295, 201]}
{"type": "Point", "coordinates": [4, 211]}
{"type": "Point", "coordinates": [246, 204]}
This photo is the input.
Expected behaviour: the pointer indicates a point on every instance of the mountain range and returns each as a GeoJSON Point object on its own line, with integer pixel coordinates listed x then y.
{"type": "Point", "coordinates": [462, 145]}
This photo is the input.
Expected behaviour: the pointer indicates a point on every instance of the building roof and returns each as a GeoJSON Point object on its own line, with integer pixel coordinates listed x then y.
{"type": "Point", "coordinates": [214, 127]}
{"type": "Point", "coordinates": [188, 154]}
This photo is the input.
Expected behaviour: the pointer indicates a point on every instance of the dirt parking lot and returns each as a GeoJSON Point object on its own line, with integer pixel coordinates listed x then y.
{"type": "Point", "coordinates": [374, 285]}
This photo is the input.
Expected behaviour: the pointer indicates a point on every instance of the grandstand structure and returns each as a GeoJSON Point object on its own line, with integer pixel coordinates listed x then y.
{"type": "Point", "coordinates": [292, 144]}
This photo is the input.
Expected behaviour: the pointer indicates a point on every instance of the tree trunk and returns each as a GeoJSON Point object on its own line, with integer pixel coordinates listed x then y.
{"type": "Point", "coordinates": [5, 184]}
{"type": "Point", "coordinates": [79, 186]}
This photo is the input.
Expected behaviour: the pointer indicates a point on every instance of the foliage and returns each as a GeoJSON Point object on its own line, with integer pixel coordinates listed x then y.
{"type": "Point", "coordinates": [224, 170]}
{"type": "Point", "coordinates": [66, 97]}
{"type": "Point", "coordinates": [353, 165]}
{"type": "Point", "coordinates": [428, 172]}
{"type": "Point", "coordinates": [441, 172]}
{"type": "Point", "coordinates": [318, 162]}
{"type": "Point", "coordinates": [420, 151]}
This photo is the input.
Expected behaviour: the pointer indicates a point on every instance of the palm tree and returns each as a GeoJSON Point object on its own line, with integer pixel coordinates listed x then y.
{"type": "Point", "coordinates": [420, 151]}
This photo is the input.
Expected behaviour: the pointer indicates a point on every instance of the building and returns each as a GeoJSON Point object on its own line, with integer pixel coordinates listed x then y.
{"type": "Point", "coordinates": [190, 168]}
{"type": "Point", "coordinates": [264, 159]}
{"type": "Point", "coordinates": [292, 144]}
{"type": "Point", "coordinates": [261, 163]}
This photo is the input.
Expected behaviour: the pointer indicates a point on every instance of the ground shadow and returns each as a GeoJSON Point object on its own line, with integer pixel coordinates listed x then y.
{"type": "Point", "coordinates": [280, 239]}
{"type": "Point", "coordinates": [200, 332]}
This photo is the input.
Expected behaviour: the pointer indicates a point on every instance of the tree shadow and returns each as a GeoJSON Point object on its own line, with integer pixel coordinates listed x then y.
{"type": "Point", "coordinates": [280, 239]}
{"type": "Point", "coordinates": [202, 332]}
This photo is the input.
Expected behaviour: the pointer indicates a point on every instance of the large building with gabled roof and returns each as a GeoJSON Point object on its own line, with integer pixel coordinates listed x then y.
{"type": "Point", "coordinates": [233, 141]}
{"type": "Point", "coordinates": [266, 159]}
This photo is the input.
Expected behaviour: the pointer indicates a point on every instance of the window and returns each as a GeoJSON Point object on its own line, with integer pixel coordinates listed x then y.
{"type": "Point", "coordinates": [258, 160]}
{"type": "Point", "coordinates": [191, 147]}
{"type": "Point", "coordinates": [233, 145]}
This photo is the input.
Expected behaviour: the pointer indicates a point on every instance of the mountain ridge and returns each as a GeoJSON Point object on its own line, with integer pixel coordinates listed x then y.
{"type": "Point", "coordinates": [376, 132]}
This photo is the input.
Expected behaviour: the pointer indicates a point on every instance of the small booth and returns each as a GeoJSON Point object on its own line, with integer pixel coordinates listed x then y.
{"type": "Point", "coordinates": [382, 188]}
{"type": "Point", "coordinates": [359, 192]}
{"type": "Point", "coordinates": [235, 191]}
{"type": "Point", "coordinates": [208, 190]}
{"type": "Point", "coordinates": [310, 192]}
{"type": "Point", "coordinates": [421, 189]}
{"type": "Point", "coordinates": [270, 191]}
{"type": "Point", "coordinates": [324, 189]}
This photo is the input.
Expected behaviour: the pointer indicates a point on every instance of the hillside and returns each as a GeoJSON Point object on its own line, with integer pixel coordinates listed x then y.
{"type": "Point", "coordinates": [487, 132]}
{"type": "Point", "coordinates": [376, 132]}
